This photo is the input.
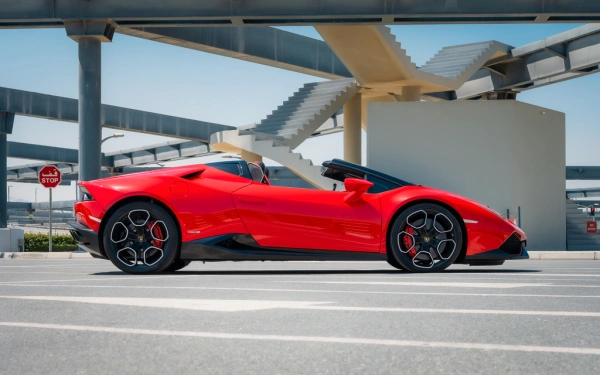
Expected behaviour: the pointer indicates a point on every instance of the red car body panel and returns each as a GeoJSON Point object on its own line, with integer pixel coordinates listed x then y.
{"type": "Point", "coordinates": [298, 218]}
{"type": "Point", "coordinates": [209, 202]}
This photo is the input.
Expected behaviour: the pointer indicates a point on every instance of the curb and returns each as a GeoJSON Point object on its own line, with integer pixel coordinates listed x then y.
{"type": "Point", "coordinates": [564, 255]}
{"type": "Point", "coordinates": [40, 255]}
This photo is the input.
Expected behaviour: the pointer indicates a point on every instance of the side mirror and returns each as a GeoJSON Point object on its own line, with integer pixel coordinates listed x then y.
{"type": "Point", "coordinates": [356, 188]}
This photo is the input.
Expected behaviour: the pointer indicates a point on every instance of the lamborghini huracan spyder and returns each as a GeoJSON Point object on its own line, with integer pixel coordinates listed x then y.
{"type": "Point", "coordinates": [163, 219]}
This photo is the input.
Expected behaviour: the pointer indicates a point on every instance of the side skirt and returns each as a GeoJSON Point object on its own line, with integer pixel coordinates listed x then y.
{"type": "Point", "coordinates": [240, 247]}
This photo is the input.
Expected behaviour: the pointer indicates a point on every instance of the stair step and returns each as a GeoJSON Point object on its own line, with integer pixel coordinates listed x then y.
{"type": "Point", "coordinates": [296, 102]}
{"type": "Point", "coordinates": [292, 116]}
{"type": "Point", "coordinates": [453, 60]}
{"type": "Point", "coordinates": [295, 108]}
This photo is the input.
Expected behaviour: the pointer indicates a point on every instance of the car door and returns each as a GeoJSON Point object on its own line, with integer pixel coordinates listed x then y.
{"type": "Point", "coordinates": [296, 218]}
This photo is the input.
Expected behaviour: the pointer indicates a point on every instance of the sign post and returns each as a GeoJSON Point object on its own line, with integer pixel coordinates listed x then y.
{"type": "Point", "coordinates": [49, 176]}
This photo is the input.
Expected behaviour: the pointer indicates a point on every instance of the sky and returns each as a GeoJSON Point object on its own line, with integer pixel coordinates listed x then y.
{"type": "Point", "coordinates": [167, 79]}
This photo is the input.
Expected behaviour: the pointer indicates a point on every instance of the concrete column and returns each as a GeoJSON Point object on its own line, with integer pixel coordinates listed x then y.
{"type": "Point", "coordinates": [3, 181]}
{"type": "Point", "coordinates": [250, 156]}
{"type": "Point", "coordinates": [352, 133]}
{"type": "Point", "coordinates": [6, 126]}
{"type": "Point", "coordinates": [411, 94]}
{"type": "Point", "coordinates": [89, 35]}
{"type": "Point", "coordinates": [90, 128]}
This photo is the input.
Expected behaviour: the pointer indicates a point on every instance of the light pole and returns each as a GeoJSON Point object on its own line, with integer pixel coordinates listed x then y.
{"type": "Point", "coordinates": [116, 135]}
{"type": "Point", "coordinates": [8, 197]}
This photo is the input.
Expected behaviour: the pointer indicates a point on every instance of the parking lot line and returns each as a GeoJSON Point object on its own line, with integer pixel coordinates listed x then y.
{"type": "Point", "coordinates": [304, 291]}
{"type": "Point", "coordinates": [251, 305]}
{"type": "Point", "coordinates": [313, 339]}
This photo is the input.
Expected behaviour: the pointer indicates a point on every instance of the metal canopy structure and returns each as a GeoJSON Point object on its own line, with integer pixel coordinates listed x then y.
{"type": "Point", "coordinates": [29, 173]}
{"type": "Point", "coordinates": [67, 159]}
{"type": "Point", "coordinates": [44, 13]}
{"type": "Point", "coordinates": [572, 54]}
{"type": "Point", "coordinates": [262, 45]}
{"type": "Point", "coordinates": [583, 173]}
{"type": "Point", "coordinates": [568, 55]}
{"type": "Point", "coordinates": [52, 107]}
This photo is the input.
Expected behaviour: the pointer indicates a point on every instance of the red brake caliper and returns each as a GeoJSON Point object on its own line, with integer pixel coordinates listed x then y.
{"type": "Point", "coordinates": [156, 233]}
{"type": "Point", "coordinates": [408, 241]}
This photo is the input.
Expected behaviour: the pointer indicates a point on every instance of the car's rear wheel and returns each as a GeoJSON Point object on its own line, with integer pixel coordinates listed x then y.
{"type": "Point", "coordinates": [425, 238]}
{"type": "Point", "coordinates": [141, 238]}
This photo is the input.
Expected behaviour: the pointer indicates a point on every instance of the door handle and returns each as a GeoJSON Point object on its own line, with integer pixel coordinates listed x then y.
{"type": "Point", "coordinates": [252, 200]}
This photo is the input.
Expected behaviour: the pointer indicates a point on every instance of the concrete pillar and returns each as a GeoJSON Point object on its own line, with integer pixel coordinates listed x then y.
{"type": "Point", "coordinates": [3, 181]}
{"type": "Point", "coordinates": [250, 156]}
{"type": "Point", "coordinates": [89, 34]}
{"type": "Point", "coordinates": [411, 94]}
{"type": "Point", "coordinates": [352, 133]}
{"type": "Point", "coordinates": [6, 125]}
{"type": "Point", "coordinates": [90, 128]}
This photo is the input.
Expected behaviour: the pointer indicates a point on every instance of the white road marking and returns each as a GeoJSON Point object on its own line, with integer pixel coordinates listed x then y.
{"type": "Point", "coordinates": [313, 339]}
{"type": "Point", "coordinates": [442, 284]}
{"type": "Point", "coordinates": [253, 305]}
{"type": "Point", "coordinates": [185, 304]}
{"type": "Point", "coordinates": [455, 311]}
{"type": "Point", "coordinates": [426, 284]}
{"type": "Point", "coordinates": [97, 279]}
{"type": "Point", "coordinates": [306, 291]}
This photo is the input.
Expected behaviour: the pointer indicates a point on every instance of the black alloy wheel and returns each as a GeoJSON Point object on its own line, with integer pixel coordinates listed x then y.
{"type": "Point", "coordinates": [141, 238]}
{"type": "Point", "coordinates": [425, 238]}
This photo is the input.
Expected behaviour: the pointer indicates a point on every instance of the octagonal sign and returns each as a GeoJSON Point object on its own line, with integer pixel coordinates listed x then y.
{"type": "Point", "coordinates": [49, 176]}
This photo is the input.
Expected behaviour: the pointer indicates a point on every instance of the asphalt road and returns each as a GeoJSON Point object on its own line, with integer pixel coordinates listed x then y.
{"type": "Point", "coordinates": [85, 316]}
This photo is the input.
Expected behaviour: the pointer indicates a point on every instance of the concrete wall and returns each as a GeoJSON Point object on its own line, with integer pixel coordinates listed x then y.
{"type": "Point", "coordinates": [9, 239]}
{"type": "Point", "coordinates": [504, 154]}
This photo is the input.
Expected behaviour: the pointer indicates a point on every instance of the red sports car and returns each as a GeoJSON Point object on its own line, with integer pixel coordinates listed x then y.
{"type": "Point", "coordinates": [161, 220]}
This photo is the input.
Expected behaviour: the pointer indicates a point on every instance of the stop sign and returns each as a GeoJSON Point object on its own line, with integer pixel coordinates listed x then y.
{"type": "Point", "coordinates": [49, 176]}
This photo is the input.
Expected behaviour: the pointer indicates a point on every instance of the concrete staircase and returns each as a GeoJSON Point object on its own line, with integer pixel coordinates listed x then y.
{"type": "Point", "coordinates": [462, 61]}
{"type": "Point", "coordinates": [577, 238]}
{"type": "Point", "coordinates": [232, 140]}
{"type": "Point", "coordinates": [305, 111]}
{"type": "Point", "coordinates": [289, 125]}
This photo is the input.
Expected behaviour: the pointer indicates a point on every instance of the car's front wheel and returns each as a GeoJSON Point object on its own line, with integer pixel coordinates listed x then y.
{"type": "Point", "coordinates": [425, 238]}
{"type": "Point", "coordinates": [141, 238]}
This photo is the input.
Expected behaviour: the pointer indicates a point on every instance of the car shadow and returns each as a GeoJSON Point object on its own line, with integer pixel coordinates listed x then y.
{"type": "Point", "coordinates": [322, 272]}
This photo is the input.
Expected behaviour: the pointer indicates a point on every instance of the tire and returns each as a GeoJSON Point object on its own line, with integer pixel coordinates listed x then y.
{"type": "Point", "coordinates": [425, 238]}
{"type": "Point", "coordinates": [177, 265]}
{"type": "Point", "coordinates": [141, 238]}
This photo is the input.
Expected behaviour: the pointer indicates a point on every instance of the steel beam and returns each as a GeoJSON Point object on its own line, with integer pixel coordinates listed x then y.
{"type": "Point", "coordinates": [66, 159]}
{"type": "Point", "coordinates": [51, 107]}
{"type": "Point", "coordinates": [20, 150]}
{"type": "Point", "coordinates": [45, 13]}
{"type": "Point", "coordinates": [262, 45]}
{"type": "Point", "coordinates": [583, 173]}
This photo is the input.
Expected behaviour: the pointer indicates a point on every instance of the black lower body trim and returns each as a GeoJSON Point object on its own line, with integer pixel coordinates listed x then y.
{"type": "Point", "coordinates": [494, 257]}
{"type": "Point", "coordinates": [87, 239]}
{"type": "Point", "coordinates": [239, 247]}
